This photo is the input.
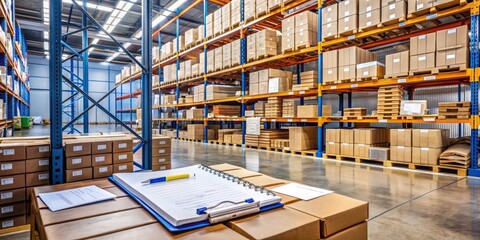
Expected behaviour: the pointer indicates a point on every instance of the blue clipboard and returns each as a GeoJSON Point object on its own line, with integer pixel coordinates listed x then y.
{"type": "Point", "coordinates": [185, 227]}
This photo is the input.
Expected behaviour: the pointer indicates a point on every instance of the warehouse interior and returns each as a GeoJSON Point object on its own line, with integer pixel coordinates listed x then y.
{"type": "Point", "coordinates": [239, 119]}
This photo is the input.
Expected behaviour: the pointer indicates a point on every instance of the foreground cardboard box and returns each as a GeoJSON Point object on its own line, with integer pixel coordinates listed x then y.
{"type": "Point", "coordinates": [335, 212]}
{"type": "Point", "coordinates": [357, 232]}
{"type": "Point", "coordinates": [78, 174]}
{"type": "Point", "coordinates": [12, 151]}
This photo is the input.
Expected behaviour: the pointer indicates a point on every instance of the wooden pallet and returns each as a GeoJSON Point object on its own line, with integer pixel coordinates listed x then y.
{"type": "Point", "coordinates": [287, 50]}
{"type": "Point", "coordinates": [451, 68]}
{"type": "Point", "coordinates": [348, 33]}
{"type": "Point", "coordinates": [368, 79]}
{"type": "Point", "coordinates": [347, 80]}
{"type": "Point", "coordinates": [454, 104]}
{"type": "Point", "coordinates": [419, 13]}
{"type": "Point", "coordinates": [261, 13]}
{"type": "Point", "coordinates": [456, 116]}
{"type": "Point", "coordinates": [367, 28]}
{"type": "Point", "coordinates": [422, 72]}
{"type": "Point", "coordinates": [353, 159]}
{"type": "Point", "coordinates": [391, 22]}
{"type": "Point", "coordinates": [449, 4]}
{"type": "Point", "coordinates": [366, 117]}
{"type": "Point", "coordinates": [329, 83]}
{"type": "Point", "coordinates": [382, 116]}
{"type": "Point", "coordinates": [303, 46]}
{"type": "Point", "coordinates": [434, 168]}
{"type": "Point", "coordinates": [328, 38]}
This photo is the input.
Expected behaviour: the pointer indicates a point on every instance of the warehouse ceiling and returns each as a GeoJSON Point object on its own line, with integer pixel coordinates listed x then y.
{"type": "Point", "coordinates": [33, 19]}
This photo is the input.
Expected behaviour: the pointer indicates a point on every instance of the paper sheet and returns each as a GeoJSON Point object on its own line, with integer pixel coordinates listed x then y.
{"type": "Point", "coordinates": [75, 197]}
{"type": "Point", "coordinates": [301, 191]}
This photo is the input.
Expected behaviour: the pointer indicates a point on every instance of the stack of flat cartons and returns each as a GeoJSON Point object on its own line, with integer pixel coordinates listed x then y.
{"type": "Point", "coordinates": [227, 55]}
{"type": "Point", "coordinates": [290, 107]}
{"type": "Point", "coordinates": [195, 70]}
{"type": "Point", "coordinates": [235, 19]}
{"type": "Point", "coordinates": [236, 138]}
{"type": "Point", "coordinates": [261, 7]}
{"type": "Point", "coordinates": [273, 107]}
{"type": "Point", "coordinates": [161, 153]}
{"type": "Point", "coordinates": [369, 14]}
{"type": "Point", "coordinates": [389, 101]}
{"type": "Point", "coordinates": [454, 110]}
{"type": "Point", "coordinates": [330, 67]}
{"type": "Point", "coordinates": [307, 111]}
{"type": "Point", "coordinates": [122, 148]}
{"type": "Point", "coordinates": [201, 62]}
{"type": "Point", "coordinates": [330, 22]}
{"type": "Point", "coordinates": [288, 34]}
{"type": "Point", "coordinates": [308, 80]}
{"type": "Point", "coordinates": [419, 7]}
{"type": "Point", "coordinates": [181, 71]}
{"type": "Point", "coordinates": [211, 61]}
{"type": "Point", "coordinates": [195, 113]}
{"type": "Point", "coordinates": [253, 83]}
{"type": "Point", "coordinates": [235, 53]}
{"type": "Point", "coordinates": [428, 144]}
{"type": "Point", "coordinates": [181, 44]}
{"type": "Point", "coordinates": [209, 26]}
{"type": "Point", "coordinates": [195, 131]}
{"type": "Point", "coordinates": [366, 138]}
{"type": "Point", "coordinates": [221, 91]}
{"type": "Point", "coordinates": [401, 145]}
{"type": "Point", "coordinates": [333, 141]}
{"type": "Point", "coordinates": [250, 9]}
{"type": "Point", "coordinates": [350, 58]}
{"type": "Point", "coordinates": [347, 140]}
{"type": "Point", "coordinates": [155, 54]}
{"type": "Point", "coordinates": [274, 4]}
{"type": "Point", "coordinates": [2, 110]}
{"type": "Point", "coordinates": [218, 58]}
{"type": "Point", "coordinates": [306, 28]}
{"type": "Point", "coordinates": [302, 138]}
{"type": "Point", "coordinates": [354, 112]}
{"type": "Point", "coordinates": [226, 111]}
{"type": "Point", "coordinates": [280, 143]}
{"type": "Point", "coordinates": [198, 93]}
{"type": "Point", "coordinates": [224, 132]}
{"type": "Point", "coordinates": [191, 36]}
{"type": "Point", "coordinates": [397, 64]}
{"type": "Point", "coordinates": [188, 68]}
{"type": "Point", "coordinates": [266, 43]}
{"type": "Point", "coordinates": [167, 99]}
{"type": "Point", "coordinates": [226, 16]}
{"type": "Point", "coordinates": [102, 158]}
{"type": "Point", "coordinates": [347, 17]}
{"type": "Point", "coordinates": [251, 47]}
{"type": "Point", "coordinates": [251, 140]}
{"type": "Point", "coordinates": [422, 54]}
{"type": "Point", "coordinates": [78, 154]}
{"type": "Point", "coordinates": [393, 11]}
{"type": "Point", "coordinates": [266, 136]}
{"type": "Point", "coordinates": [217, 22]}
{"type": "Point", "coordinates": [452, 49]}
{"type": "Point", "coordinates": [200, 32]}
{"type": "Point", "coordinates": [259, 108]}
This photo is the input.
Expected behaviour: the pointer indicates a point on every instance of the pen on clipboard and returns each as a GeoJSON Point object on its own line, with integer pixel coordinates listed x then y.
{"type": "Point", "coordinates": [167, 178]}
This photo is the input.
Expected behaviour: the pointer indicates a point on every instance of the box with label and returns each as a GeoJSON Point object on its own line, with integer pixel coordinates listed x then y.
{"type": "Point", "coordinates": [79, 174]}
{"type": "Point", "coordinates": [332, 148]}
{"type": "Point", "coordinates": [38, 149]}
{"type": "Point", "coordinates": [78, 162]}
{"type": "Point", "coordinates": [347, 8]}
{"type": "Point", "coordinates": [123, 167]}
{"type": "Point", "coordinates": [393, 11]}
{"type": "Point", "coordinates": [348, 25]}
{"type": "Point", "coordinates": [368, 5]}
{"type": "Point", "coordinates": [124, 144]}
{"type": "Point", "coordinates": [261, 7]}
{"type": "Point", "coordinates": [329, 30]}
{"type": "Point", "coordinates": [348, 135]}
{"type": "Point", "coordinates": [12, 151]}
{"type": "Point", "coordinates": [12, 209]}
{"type": "Point", "coordinates": [102, 171]}
{"type": "Point", "coordinates": [288, 41]}
{"type": "Point", "coordinates": [11, 168]}
{"type": "Point", "coordinates": [161, 160]}
{"type": "Point", "coordinates": [354, 56]}
{"type": "Point", "coordinates": [14, 195]}
{"type": "Point", "coordinates": [37, 165]}
{"type": "Point", "coordinates": [122, 157]}
{"type": "Point", "coordinates": [397, 64]}
{"type": "Point", "coordinates": [101, 146]}
{"type": "Point", "coordinates": [401, 137]}
{"type": "Point", "coordinates": [160, 151]}
{"type": "Point", "coordinates": [77, 148]}
{"type": "Point", "coordinates": [422, 62]}
{"type": "Point", "coordinates": [370, 70]}
{"type": "Point", "coordinates": [419, 7]}
{"type": "Point", "coordinates": [430, 138]}
{"type": "Point", "coordinates": [250, 10]}
{"type": "Point", "coordinates": [162, 167]}
{"type": "Point", "coordinates": [276, 85]}
{"type": "Point", "coordinates": [12, 182]}
{"type": "Point", "coordinates": [37, 179]}
{"type": "Point", "coordinates": [102, 159]}
{"type": "Point", "coordinates": [333, 135]}
{"type": "Point", "coordinates": [226, 16]}
{"type": "Point", "coordinates": [227, 55]}
{"type": "Point", "coordinates": [425, 155]}
{"type": "Point", "coordinates": [457, 57]}
{"type": "Point", "coordinates": [347, 149]}
{"type": "Point", "coordinates": [330, 14]}
{"type": "Point", "coordinates": [423, 44]}
{"type": "Point", "coordinates": [369, 20]}
{"type": "Point", "coordinates": [307, 111]}
{"type": "Point", "coordinates": [401, 154]}
{"type": "Point", "coordinates": [13, 222]}
{"type": "Point", "coordinates": [305, 39]}
{"type": "Point", "coordinates": [302, 138]}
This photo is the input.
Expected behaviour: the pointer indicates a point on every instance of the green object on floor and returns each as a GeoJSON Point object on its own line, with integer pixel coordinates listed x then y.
{"type": "Point", "coordinates": [17, 123]}
{"type": "Point", "coordinates": [26, 122]}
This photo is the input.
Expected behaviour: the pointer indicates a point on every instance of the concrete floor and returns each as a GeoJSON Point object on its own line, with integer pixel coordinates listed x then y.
{"type": "Point", "coordinates": [404, 204]}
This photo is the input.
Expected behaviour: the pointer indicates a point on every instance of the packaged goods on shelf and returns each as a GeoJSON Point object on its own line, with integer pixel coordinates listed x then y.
{"type": "Point", "coordinates": [218, 58]}
{"type": "Point", "coordinates": [235, 19]}
{"type": "Point", "coordinates": [167, 99]}
{"type": "Point", "coordinates": [221, 91]}
{"type": "Point", "coordinates": [274, 4]}
{"type": "Point", "coordinates": [191, 36]}
{"type": "Point", "coordinates": [452, 48]}
{"type": "Point", "coordinates": [195, 131]}
{"type": "Point", "coordinates": [211, 61]}
{"type": "Point", "coordinates": [302, 138]}
{"type": "Point", "coordinates": [327, 110]}
{"type": "Point", "coordinates": [280, 143]}
{"type": "Point", "coordinates": [155, 54]}
{"type": "Point", "coordinates": [330, 66]}
{"type": "Point", "coordinates": [155, 80]}
{"type": "Point", "coordinates": [195, 113]}
{"type": "Point", "coordinates": [249, 9]}
{"type": "Point", "coordinates": [277, 84]}
{"type": "Point", "coordinates": [201, 62]}
{"type": "Point", "coordinates": [290, 107]}
{"type": "Point", "coordinates": [169, 50]}
{"type": "Point", "coordinates": [347, 17]}
{"type": "Point", "coordinates": [389, 101]}
{"type": "Point", "coordinates": [371, 135]}
{"type": "Point", "coordinates": [266, 43]}
{"type": "Point", "coordinates": [333, 140]}
{"type": "Point", "coordinates": [251, 47]}
{"type": "Point", "coordinates": [200, 35]}
{"type": "Point", "coordinates": [273, 107]}
{"type": "Point", "coordinates": [329, 30]}
{"type": "Point", "coordinates": [181, 71]}
{"type": "Point", "coordinates": [419, 7]}
{"type": "Point", "coordinates": [393, 11]}
{"type": "Point", "coordinates": [259, 108]}
{"type": "Point", "coordinates": [223, 132]}
{"type": "Point", "coordinates": [306, 29]}
{"type": "Point", "coordinates": [139, 114]}
{"type": "Point", "coordinates": [422, 53]}
{"type": "Point", "coordinates": [261, 7]}
{"type": "Point", "coordinates": [397, 64]}
{"type": "Point", "coordinates": [237, 138]}
{"type": "Point", "coordinates": [253, 83]}
{"type": "Point", "coordinates": [226, 16]}
{"type": "Point", "coordinates": [181, 44]}
{"type": "Point", "coordinates": [370, 70]}
{"type": "Point", "coordinates": [354, 112]}
{"type": "Point", "coordinates": [227, 55]}
{"type": "Point", "coordinates": [351, 57]}
{"type": "Point", "coordinates": [209, 25]}
{"type": "Point", "coordinates": [330, 21]}
{"type": "Point", "coordinates": [188, 68]}
{"type": "Point", "coordinates": [454, 110]}
{"type": "Point", "coordinates": [307, 111]}
{"type": "Point", "coordinates": [413, 107]}
{"type": "Point", "coordinates": [266, 136]}
{"type": "Point", "coordinates": [428, 144]}
{"type": "Point", "coordinates": [371, 19]}
{"type": "Point", "coordinates": [308, 80]}
{"type": "Point", "coordinates": [217, 22]}
{"type": "Point", "coordinates": [288, 34]}
{"type": "Point", "coordinates": [198, 93]}
{"type": "Point", "coordinates": [226, 111]}
{"type": "Point", "coordinates": [251, 140]}
{"type": "Point", "coordinates": [235, 53]}
{"type": "Point", "coordinates": [126, 72]}
{"type": "Point", "coordinates": [379, 153]}
{"type": "Point", "coordinates": [195, 70]}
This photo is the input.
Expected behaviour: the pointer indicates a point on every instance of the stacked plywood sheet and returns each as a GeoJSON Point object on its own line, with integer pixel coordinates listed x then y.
{"type": "Point", "coordinates": [273, 107]}
{"type": "Point", "coordinates": [267, 136]}
{"type": "Point", "coordinates": [251, 140]}
{"type": "Point", "coordinates": [279, 143]}
{"type": "Point", "coordinates": [226, 111]}
{"type": "Point", "coordinates": [454, 110]}
{"type": "Point", "coordinates": [389, 101]}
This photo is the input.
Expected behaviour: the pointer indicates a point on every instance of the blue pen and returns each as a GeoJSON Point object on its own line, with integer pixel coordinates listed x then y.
{"type": "Point", "coordinates": [167, 178]}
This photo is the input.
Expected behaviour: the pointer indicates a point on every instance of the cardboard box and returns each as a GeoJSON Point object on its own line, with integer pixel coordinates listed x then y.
{"type": "Point", "coordinates": [38, 150]}
{"type": "Point", "coordinates": [333, 135]}
{"type": "Point", "coordinates": [379, 153]}
{"type": "Point", "coordinates": [11, 168]}
{"type": "Point", "coordinates": [419, 6]}
{"type": "Point", "coordinates": [336, 212]}
{"type": "Point", "coordinates": [102, 171]}
{"type": "Point", "coordinates": [331, 75]}
{"type": "Point", "coordinates": [101, 146]}
{"type": "Point", "coordinates": [307, 111]}
{"type": "Point", "coordinates": [122, 145]}
{"type": "Point", "coordinates": [102, 159]}
{"type": "Point", "coordinates": [430, 138]}
{"type": "Point", "coordinates": [37, 179]}
{"type": "Point", "coordinates": [13, 195]}
{"type": "Point", "coordinates": [79, 174]}
{"type": "Point", "coordinates": [347, 135]}
{"type": "Point", "coordinates": [370, 70]}
{"type": "Point", "coordinates": [353, 56]}
{"type": "Point", "coordinates": [333, 148]}
{"type": "Point", "coordinates": [456, 56]}
{"type": "Point", "coordinates": [330, 14]}
{"type": "Point", "coordinates": [304, 39]}
{"type": "Point", "coordinates": [368, 5]}
{"type": "Point", "coordinates": [288, 42]}
{"type": "Point", "coordinates": [370, 135]}
{"type": "Point", "coordinates": [12, 182]}
{"type": "Point", "coordinates": [159, 151]}
{"type": "Point", "coordinates": [423, 44]}
{"type": "Point", "coordinates": [302, 138]}
{"type": "Point", "coordinates": [422, 62]}
{"type": "Point", "coordinates": [161, 160]}
{"type": "Point", "coordinates": [452, 38]}
{"type": "Point", "coordinates": [161, 141]}
{"type": "Point", "coordinates": [124, 157]}
{"type": "Point", "coordinates": [124, 167]}
{"type": "Point", "coordinates": [348, 24]}
{"type": "Point", "coordinates": [12, 151]}
{"type": "Point", "coordinates": [195, 113]}
{"type": "Point", "coordinates": [369, 19]}
{"type": "Point", "coordinates": [289, 224]}
{"type": "Point", "coordinates": [13, 222]}
{"type": "Point", "coordinates": [357, 232]}
{"type": "Point", "coordinates": [401, 154]}
{"type": "Point", "coordinates": [77, 148]}
{"type": "Point", "coordinates": [347, 149]}
{"type": "Point", "coordinates": [394, 11]}
{"type": "Point", "coordinates": [401, 137]}
{"type": "Point", "coordinates": [426, 156]}
{"type": "Point", "coordinates": [397, 64]}
{"type": "Point", "coordinates": [162, 167]}
{"type": "Point", "coordinates": [78, 162]}
{"type": "Point", "coordinates": [253, 88]}
{"type": "Point", "coordinates": [413, 107]}
{"type": "Point", "coordinates": [327, 110]}
{"type": "Point", "coordinates": [12, 209]}
{"type": "Point", "coordinates": [276, 85]}
{"type": "Point", "coordinates": [347, 8]}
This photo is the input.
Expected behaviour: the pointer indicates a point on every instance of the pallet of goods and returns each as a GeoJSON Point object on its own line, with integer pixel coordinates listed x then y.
{"type": "Point", "coordinates": [454, 110]}
{"type": "Point", "coordinates": [273, 107]}
{"type": "Point", "coordinates": [389, 101]}
{"type": "Point", "coordinates": [267, 136]}
{"type": "Point", "coordinates": [226, 111]}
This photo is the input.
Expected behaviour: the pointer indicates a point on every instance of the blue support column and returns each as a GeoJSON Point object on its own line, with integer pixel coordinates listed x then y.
{"type": "Point", "coordinates": [474, 64]}
{"type": "Point", "coordinates": [243, 60]}
{"type": "Point", "coordinates": [459, 98]}
{"type": "Point", "coordinates": [147, 84]}
{"type": "Point", "coordinates": [55, 73]}
{"type": "Point", "coordinates": [320, 81]}
{"type": "Point", "coordinates": [205, 82]}
{"type": "Point", "coordinates": [177, 66]}
{"type": "Point", "coordinates": [85, 69]}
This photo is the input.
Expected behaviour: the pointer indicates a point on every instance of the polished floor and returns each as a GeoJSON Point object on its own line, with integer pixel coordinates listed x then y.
{"type": "Point", "coordinates": [404, 204]}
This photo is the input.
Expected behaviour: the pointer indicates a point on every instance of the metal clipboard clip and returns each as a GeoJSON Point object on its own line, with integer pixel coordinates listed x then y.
{"type": "Point", "coordinates": [237, 209]}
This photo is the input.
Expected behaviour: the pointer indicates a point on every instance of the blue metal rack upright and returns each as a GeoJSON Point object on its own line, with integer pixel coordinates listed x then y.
{"type": "Point", "coordinates": [474, 79]}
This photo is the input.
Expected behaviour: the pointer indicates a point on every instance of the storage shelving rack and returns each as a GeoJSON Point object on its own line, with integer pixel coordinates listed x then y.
{"type": "Point", "coordinates": [17, 101]}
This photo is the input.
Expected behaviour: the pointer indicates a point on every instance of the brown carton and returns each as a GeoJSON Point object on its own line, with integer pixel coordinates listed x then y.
{"type": "Point", "coordinates": [347, 8]}
{"type": "Point", "coordinates": [160, 151]}
{"type": "Point", "coordinates": [37, 179]}
{"type": "Point", "coordinates": [357, 232]}
{"type": "Point", "coordinates": [348, 24]}
{"type": "Point", "coordinates": [452, 38]}
{"type": "Point", "coordinates": [79, 162]}
{"type": "Point", "coordinates": [38, 150]}
{"type": "Point", "coordinates": [327, 110]}
{"type": "Point", "coordinates": [336, 212]}
{"type": "Point", "coordinates": [12, 209]}
{"type": "Point", "coordinates": [102, 159]}
{"type": "Point", "coordinates": [10, 196]}
{"type": "Point", "coordinates": [284, 223]}
{"type": "Point", "coordinates": [12, 151]}
{"type": "Point", "coordinates": [347, 135]}
{"type": "Point", "coordinates": [332, 148]}
{"type": "Point", "coordinates": [162, 167]}
{"type": "Point", "coordinates": [302, 138]}
{"type": "Point", "coordinates": [307, 111]}
{"type": "Point", "coordinates": [330, 14]}
{"type": "Point", "coordinates": [330, 59]}
{"type": "Point", "coordinates": [401, 137]}
{"type": "Point", "coordinates": [397, 64]}
{"type": "Point", "coordinates": [124, 157]}
{"type": "Point", "coordinates": [11, 168]}
{"type": "Point", "coordinates": [423, 44]}
{"type": "Point", "coordinates": [401, 154]}
{"type": "Point", "coordinates": [394, 11]}
{"type": "Point", "coordinates": [101, 146]}
{"type": "Point", "coordinates": [37, 165]}
{"type": "Point", "coordinates": [161, 160]}
{"type": "Point", "coordinates": [330, 75]}
{"type": "Point", "coordinates": [79, 174]}
{"type": "Point", "coordinates": [425, 155]}
{"type": "Point", "coordinates": [420, 6]}
{"type": "Point", "coordinates": [375, 70]}
{"type": "Point", "coordinates": [122, 145]}
{"type": "Point", "coordinates": [13, 222]}
{"type": "Point", "coordinates": [329, 29]}
{"type": "Point", "coordinates": [347, 149]}
{"type": "Point", "coordinates": [77, 147]}
{"type": "Point", "coordinates": [124, 167]}
{"type": "Point", "coordinates": [12, 182]}
{"type": "Point", "coordinates": [102, 171]}
{"type": "Point", "coordinates": [456, 56]}
{"type": "Point", "coordinates": [422, 62]}
{"type": "Point", "coordinates": [430, 138]}
{"type": "Point", "coordinates": [369, 19]}
{"type": "Point", "coordinates": [361, 150]}
{"type": "Point", "coordinates": [333, 135]}
{"type": "Point", "coordinates": [370, 135]}
{"type": "Point", "coordinates": [368, 5]}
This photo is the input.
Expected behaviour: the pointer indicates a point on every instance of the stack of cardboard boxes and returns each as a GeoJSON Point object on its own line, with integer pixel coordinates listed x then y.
{"type": "Point", "coordinates": [422, 53]}
{"type": "Point", "coordinates": [306, 28]}
{"type": "Point", "coordinates": [226, 16]}
{"type": "Point", "coordinates": [209, 26]}
{"type": "Point", "coordinates": [211, 61]}
{"type": "Point", "coordinates": [428, 144]}
{"type": "Point", "coordinates": [261, 7]}
{"type": "Point", "coordinates": [330, 22]}
{"type": "Point", "coordinates": [267, 136]}
{"type": "Point", "coordinates": [307, 111]}
{"type": "Point", "coordinates": [249, 9]}
{"type": "Point", "coordinates": [401, 145]}
{"type": "Point", "coordinates": [223, 132]}
{"type": "Point", "coordinates": [226, 111]}
{"type": "Point", "coordinates": [102, 158]}
{"type": "Point", "coordinates": [217, 22]}
{"type": "Point", "coordinates": [235, 18]}
{"type": "Point", "coordinates": [333, 141]}
{"type": "Point", "coordinates": [78, 154]}
{"type": "Point", "coordinates": [397, 64]}
{"type": "Point", "coordinates": [227, 55]}
{"type": "Point", "coordinates": [419, 7]}
{"type": "Point", "coordinates": [218, 57]}
{"type": "Point", "coordinates": [330, 67]}
{"type": "Point", "coordinates": [347, 17]}
{"type": "Point", "coordinates": [266, 43]}
{"type": "Point", "coordinates": [351, 57]}
{"type": "Point", "coordinates": [191, 36]}
{"type": "Point", "coordinates": [198, 93]}
{"type": "Point", "coordinates": [273, 107]}
{"type": "Point", "coordinates": [288, 34]}
{"type": "Point", "coordinates": [369, 14]}
{"type": "Point", "coordinates": [308, 80]}
{"type": "Point", "coordinates": [122, 154]}
{"type": "Point", "coordinates": [196, 132]}
{"type": "Point", "coordinates": [290, 107]}
{"type": "Point", "coordinates": [302, 138]}
{"type": "Point", "coordinates": [365, 139]}
{"type": "Point", "coordinates": [251, 47]}
{"type": "Point", "coordinates": [393, 11]}
{"type": "Point", "coordinates": [161, 153]}
{"type": "Point", "coordinates": [181, 44]}
{"type": "Point", "coordinates": [221, 91]}
{"type": "Point", "coordinates": [194, 113]}
{"type": "Point", "coordinates": [452, 48]}
{"type": "Point", "coordinates": [189, 71]}
{"type": "Point", "coordinates": [236, 53]}
{"type": "Point", "coordinates": [259, 109]}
